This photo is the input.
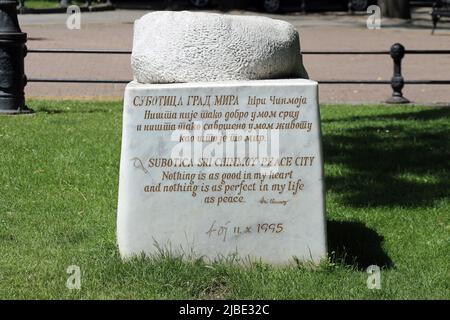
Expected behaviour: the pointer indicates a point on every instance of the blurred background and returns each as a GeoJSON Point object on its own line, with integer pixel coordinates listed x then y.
{"type": "Point", "coordinates": [271, 6]}
{"type": "Point", "coordinates": [323, 25]}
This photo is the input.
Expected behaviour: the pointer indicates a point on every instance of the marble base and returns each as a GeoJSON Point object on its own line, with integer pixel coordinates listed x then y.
{"type": "Point", "coordinates": [222, 169]}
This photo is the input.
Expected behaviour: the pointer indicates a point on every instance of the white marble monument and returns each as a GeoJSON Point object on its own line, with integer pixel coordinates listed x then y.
{"type": "Point", "coordinates": [222, 168]}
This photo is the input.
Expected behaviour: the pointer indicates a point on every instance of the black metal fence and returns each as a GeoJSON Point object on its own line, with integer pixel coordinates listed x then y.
{"type": "Point", "coordinates": [397, 82]}
{"type": "Point", "coordinates": [13, 51]}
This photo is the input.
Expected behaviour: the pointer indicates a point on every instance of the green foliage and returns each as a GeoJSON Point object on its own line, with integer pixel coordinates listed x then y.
{"type": "Point", "coordinates": [47, 4]}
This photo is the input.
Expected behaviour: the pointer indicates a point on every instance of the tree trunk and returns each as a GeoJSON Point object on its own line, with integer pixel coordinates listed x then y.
{"type": "Point", "coordinates": [395, 8]}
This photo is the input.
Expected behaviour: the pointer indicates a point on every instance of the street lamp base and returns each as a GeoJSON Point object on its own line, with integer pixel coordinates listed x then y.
{"type": "Point", "coordinates": [23, 111]}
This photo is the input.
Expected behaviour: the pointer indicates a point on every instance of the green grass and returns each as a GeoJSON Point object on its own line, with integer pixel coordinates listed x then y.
{"type": "Point", "coordinates": [41, 4]}
{"type": "Point", "coordinates": [48, 4]}
{"type": "Point", "coordinates": [388, 181]}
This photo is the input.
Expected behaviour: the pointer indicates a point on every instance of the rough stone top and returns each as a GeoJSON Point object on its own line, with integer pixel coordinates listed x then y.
{"type": "Point", "coordinates": [171, 47]}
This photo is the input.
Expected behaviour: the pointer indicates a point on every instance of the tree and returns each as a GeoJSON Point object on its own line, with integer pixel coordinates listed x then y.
{"type": "Point", "coordinates": [395, 8]}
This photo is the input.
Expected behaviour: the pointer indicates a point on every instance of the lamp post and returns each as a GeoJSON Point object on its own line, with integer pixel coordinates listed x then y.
{"type": "Point", "coordinates": [12, 54]}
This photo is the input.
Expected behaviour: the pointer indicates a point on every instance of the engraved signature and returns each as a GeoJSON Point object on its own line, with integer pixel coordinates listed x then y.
{"type": "Point", "coordinates": [263, 200]}
{"type": "Point", "coordinates": [137, 163]}
{"type": "Point", "coordinates": [226, 231]}
{"type": "Point", "coordinates": [219, 232]}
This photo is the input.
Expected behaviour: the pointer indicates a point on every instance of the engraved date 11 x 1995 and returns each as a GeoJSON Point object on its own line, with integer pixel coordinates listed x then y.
{"type": "Point", "coordinates": [226, 230]}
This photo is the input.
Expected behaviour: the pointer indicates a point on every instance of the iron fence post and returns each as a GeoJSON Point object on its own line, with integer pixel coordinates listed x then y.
{"type": "Point", "coordinates": [397, 80]}
{"type": "Point", "coordinates": [12, 53]}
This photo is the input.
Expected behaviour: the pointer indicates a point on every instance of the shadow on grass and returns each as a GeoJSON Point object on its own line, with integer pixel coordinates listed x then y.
{"type": "Point", "coordinates": [392, 159]}
{"type": "Point", "coordinates": [354, 244]}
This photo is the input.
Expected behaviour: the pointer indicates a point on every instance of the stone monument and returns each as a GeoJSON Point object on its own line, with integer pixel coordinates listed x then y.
{"type": "Point", "coordinates": [221, 146]}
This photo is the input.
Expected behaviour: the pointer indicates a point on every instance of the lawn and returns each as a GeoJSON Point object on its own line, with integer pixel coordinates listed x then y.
{"type": "Point", "coordinates": [47, 4]}
{"type": "Point", "coordinates": [388, 203]}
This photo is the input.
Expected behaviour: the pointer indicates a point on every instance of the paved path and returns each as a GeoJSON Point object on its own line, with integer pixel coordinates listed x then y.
{"type": "Point", "coordinates": [114, 30]}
